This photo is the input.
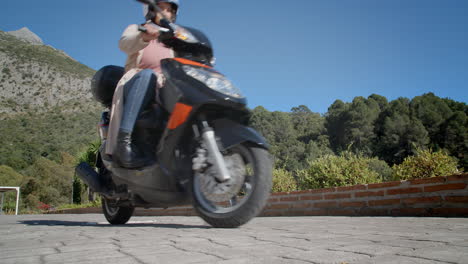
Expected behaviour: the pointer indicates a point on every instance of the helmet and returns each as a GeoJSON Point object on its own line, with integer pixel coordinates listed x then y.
{"type": "Point", "coordinates": [104, 82]}
{"type": "Point", "coordinates": [149, 14]}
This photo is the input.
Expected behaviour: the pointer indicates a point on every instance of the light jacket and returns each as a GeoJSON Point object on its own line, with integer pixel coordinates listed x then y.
{"type": "Point", "coordinates": [137, 52]}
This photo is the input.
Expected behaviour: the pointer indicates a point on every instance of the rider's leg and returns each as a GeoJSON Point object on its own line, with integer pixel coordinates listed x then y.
{"type": "Point", "coordinates": [139, 92]}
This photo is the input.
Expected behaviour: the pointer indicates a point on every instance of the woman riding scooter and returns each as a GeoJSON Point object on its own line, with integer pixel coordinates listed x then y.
{"type": "Point", "coordinates": [199, 146]}
{"type": "Point", "coordinates": [138, 88]}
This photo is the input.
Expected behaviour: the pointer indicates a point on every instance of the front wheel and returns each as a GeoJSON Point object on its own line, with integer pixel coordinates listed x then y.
{"type": "Point", "coordinates": [116, 215]}
{"type": "Point", "coordinates": [233, 203]}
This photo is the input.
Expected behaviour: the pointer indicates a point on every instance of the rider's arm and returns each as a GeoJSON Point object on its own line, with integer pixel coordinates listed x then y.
{"type": "Point", "coordinates": [131, 42]}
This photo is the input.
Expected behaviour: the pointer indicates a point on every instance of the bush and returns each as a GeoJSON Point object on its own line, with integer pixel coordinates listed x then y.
{"type": "Point", "coordinates": [89, 155]}
{"type": "Point", "coordinates": [425, 164]}
{"type": "Point", "coordinates": [344, 170]}
{"type": "Point", "coordinates": [381, 167]}
{"type": "Point", "coordinates": [283, 181]}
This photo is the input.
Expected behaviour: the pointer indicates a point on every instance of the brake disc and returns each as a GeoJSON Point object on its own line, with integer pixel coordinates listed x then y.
{"type": "Point", "coordinates": [216, 191]}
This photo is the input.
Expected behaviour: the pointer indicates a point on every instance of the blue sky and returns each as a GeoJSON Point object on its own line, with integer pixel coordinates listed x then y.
{"type": "Point", "coordinates": [285, 53]}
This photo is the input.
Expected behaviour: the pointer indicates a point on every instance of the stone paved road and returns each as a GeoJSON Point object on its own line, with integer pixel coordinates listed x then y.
{"type": "Point", "coordinates": [89, 239]}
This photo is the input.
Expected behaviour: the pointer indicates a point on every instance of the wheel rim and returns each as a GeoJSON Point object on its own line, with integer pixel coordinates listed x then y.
{"type": "Point", "coordinates": [110, 210]}
{"type": "Point", "coordinates": [242, 190]}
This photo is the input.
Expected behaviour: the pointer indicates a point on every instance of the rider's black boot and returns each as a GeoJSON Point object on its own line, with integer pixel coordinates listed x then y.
{"type": "Point", "coordinates": [127, 153]}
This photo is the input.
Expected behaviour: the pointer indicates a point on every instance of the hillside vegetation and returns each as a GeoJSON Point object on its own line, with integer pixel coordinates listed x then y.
{"type": "Point", "coordinates": [47, 116]}
{"type": "Point", "coordinates": [40, 78]}
{"type": "Point", "coordinates": [27, 53]}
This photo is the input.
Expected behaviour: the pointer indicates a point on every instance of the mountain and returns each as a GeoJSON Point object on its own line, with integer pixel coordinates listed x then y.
{"type": "Point", "coordinates": [46, 106]}
{"type": "Point", "coordinates": [27, 35]}
{"type": "Point", "coordinates": [39, 77]}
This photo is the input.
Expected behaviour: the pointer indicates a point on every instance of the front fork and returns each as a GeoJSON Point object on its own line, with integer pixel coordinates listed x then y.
{"type": "Point", "coordinates": [214, 154]}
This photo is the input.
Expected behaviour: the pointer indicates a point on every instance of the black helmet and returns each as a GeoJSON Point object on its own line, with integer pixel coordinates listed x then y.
{"type": "Point", "coordinates": [104, 83]}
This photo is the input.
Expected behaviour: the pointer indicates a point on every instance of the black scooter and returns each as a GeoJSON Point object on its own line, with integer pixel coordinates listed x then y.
{"type": "Point", "coordinates": [203, 151]}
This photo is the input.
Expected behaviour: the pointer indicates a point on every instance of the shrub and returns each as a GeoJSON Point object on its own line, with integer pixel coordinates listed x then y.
{"type": "Point", "coordinates": [283, 181]}
{"type": "Point", "coordinates": [425, 164]}
{"type": "Point", "coordinates": [381, 167]}
{"type": "Point", "coordinates": [6, 71]}
{"type": "Point", "coordinates": [343, 170]}
{"type": "Point", "coordinates": [89, 155]}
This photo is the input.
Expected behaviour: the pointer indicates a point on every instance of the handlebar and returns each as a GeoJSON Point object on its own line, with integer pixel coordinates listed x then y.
{"type": "Point", "coordinates": [161, 29]}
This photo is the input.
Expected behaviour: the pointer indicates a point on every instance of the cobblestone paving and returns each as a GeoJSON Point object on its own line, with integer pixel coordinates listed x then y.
{"type": "Point", "coordinates": [89, 239]}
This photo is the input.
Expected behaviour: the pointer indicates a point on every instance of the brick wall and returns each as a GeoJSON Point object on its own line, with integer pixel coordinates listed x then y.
{"type": "Point", "coordinates": [441, 196]}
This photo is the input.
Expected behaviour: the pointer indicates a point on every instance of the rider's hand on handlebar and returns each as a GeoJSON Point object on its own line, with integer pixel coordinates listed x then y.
{"type": "Point", "coordinates": [150, 34]}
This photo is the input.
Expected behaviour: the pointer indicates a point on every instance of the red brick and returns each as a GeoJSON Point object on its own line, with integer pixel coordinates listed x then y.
{"type": "Point", "coordinates": [456, 199]}
{"type": "Point", "coordinates": [315, 212]}
{"type": "Point", "coordinates": [299, 212]}
{"type": "Point", "coordinates": [373, 212]}
{"type": "Point", "coordinates": [417, 200]}
{"type": "Point", "coordinates": [352, 204]}
{"type": "Point", "coordinates": [301, 192]}
{"type": "Point", "coordinates": [384, 202]}
{"type": "Point", "coordinates": [351, 188]}
{"type": "Point", "coordinates": [278, 206]}
{"type": "Point", "coordinates": [427, 180]}
{"type": "Point", "coordinates": [383, 185]}
{"type": "Point", "coordinates": [290, 213]}
{"type": "Point", "coordinates": [458, 177]}
{"type": "Point", "coordinates": [326, 190]}
{"type": "Point", "coordinates": [301, 205]}
{"type": "Point", "coordinates": [366, 194]}
{"type": "Point", "coordinates": [289, 198]}
{"type": "Point", "coordinates": [450, 212]}
{"type": "Point", "coordinates": [409, 212]}
{"type": "Point", "coordinates": [275, 195]}
{"type": "Point", "coordinates": [404, 191]}
{"type": "Point", "coordinates": [272, 200]}
{"type": "Point", "coordinates": [281, 193]}
{"type": "Point", "coordinates": [342, 212]}
{"type": "Point", "coordinates": [452, 186]}
{"type": "Point", "coordinates": [337, 196]}
{"type": "Point", "coordinates": [272, 213]}
{"type": "Point", "coordinates": [310, 197]}
{"type": "Point", "coordinates": [325, 204]}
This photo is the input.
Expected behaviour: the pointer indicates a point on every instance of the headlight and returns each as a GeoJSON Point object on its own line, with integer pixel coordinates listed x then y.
{"type": "Point", "coordinates": [215, 81]}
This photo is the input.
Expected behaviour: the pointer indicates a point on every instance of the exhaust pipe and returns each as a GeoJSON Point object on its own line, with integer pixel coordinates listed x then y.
{"type": "Point", "coordinates": [89, 176]}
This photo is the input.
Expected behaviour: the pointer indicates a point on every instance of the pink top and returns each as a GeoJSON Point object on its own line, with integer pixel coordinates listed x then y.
{"type": "Point", "coordinates": [153, 54]}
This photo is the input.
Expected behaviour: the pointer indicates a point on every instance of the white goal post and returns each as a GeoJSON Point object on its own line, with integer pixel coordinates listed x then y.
{"type": "Point", "coordinates": [3, 190]}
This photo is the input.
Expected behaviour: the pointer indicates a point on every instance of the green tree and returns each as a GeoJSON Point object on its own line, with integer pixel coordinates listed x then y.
{"type": "Point", "coordinates": [400, 134]}
{"type": "Point", "coordinates": [49, 182]}
{"type": "Point", "coordinates": [278, 129]}
{"type": "Point", "coordinates": [432, 111]}
{"type": "Point", "coordinates": [359, 127]}
{"type": "Point", "coordinates": [307, 124]}
{"type": "Point", "coordinates": [10, 178]}
{"type": "Point", "coordinates": [336, 118]}
{"type": "Point", "coordinates": [380, 100]}
{"type": "Point", "coordinates": [454, 137]}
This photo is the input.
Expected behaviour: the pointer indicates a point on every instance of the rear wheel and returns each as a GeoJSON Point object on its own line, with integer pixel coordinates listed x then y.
{"type": "Point", "coordinates": [235, 202]}
{"type": "Point", "coordinates": [116, 215]}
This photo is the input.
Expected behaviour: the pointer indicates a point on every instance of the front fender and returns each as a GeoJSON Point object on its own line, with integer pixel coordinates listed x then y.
{"type": "Point", "coordinates": [232, 133]}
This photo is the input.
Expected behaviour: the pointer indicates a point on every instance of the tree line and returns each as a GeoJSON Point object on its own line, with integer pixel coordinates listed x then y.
{"type": "Point", "coordinates": [372, 126]}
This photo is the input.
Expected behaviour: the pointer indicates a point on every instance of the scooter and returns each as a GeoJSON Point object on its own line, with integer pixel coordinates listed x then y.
{"type": "Point", "coordinates": [202, 149]}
